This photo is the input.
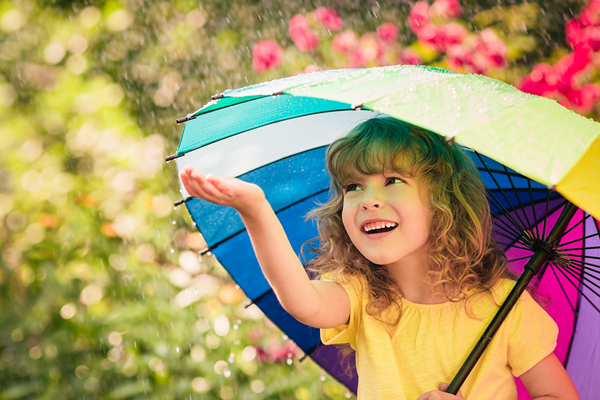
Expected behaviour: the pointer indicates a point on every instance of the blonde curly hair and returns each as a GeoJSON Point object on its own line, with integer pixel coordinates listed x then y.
{"type": "Point", "coordinates": [464, 258]}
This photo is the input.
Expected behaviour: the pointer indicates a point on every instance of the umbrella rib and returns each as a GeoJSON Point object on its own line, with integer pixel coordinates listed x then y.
{"type": "Point", "coordinates": [546, 215]}
{"type": "Point", "coordinates": [520, 227]}
{"type": "Point", "coordinates": [579, 239]}
{"type": "Point", "coordinates": [518, 198]}
{"type": "Point", "coordinates": [519, 259]}
{"type": "Point", "coordinates": [562, 288]}
{"type": "Point", "coordinates": [516, 224]}
{"type": "Point", "coordinates": [582, 248]}
{"type": "Point", "coordinates": [579, 290]}
{"type": "Point", "coordinates": [590, 273]}
{"type": "Point", "coordinates": [581, 255]}
{"type": "Point", "coordinates": [508, 229]}
{"type": "Point", "coordinates": [211, 248]}
{"type": "Point", "coordinates": [586, 266]}
{"type": "Point", "coordinates": [577, 224]}
{"type": "Point", "coordinates": [565, 270]}
{"type": "Point", "coordinates": [512, 244]}
{"type": "Point", "coordinates": [537, 229]}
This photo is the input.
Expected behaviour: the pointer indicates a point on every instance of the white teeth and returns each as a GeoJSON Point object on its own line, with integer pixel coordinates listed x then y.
{"type": "Point", "coordinates": [379, 225]}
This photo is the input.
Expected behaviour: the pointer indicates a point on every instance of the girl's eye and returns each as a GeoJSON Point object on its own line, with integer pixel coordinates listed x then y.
{"type": "Point", "coordinates": [351, 187]}
{"type": "Point", "coordinates": [393, 180]}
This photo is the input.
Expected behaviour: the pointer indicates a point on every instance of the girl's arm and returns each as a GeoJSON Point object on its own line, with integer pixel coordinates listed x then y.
{"type": "Point", "coordinates": [320, 304]}
{"type": "Point", "coordinates": [549, 380]}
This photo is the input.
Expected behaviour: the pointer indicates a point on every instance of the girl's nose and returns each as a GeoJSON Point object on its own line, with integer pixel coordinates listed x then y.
{"type": "Point", "coordinates": [370, 200]}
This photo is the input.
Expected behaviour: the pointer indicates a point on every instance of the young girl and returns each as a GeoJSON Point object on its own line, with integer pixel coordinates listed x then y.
{"type": "Point", "coordinates": [409, 274]}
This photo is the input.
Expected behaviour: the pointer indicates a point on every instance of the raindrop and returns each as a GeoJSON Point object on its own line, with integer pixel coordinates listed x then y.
{"type": "Point", "coordinates": [177, 349]}
{"type": "Point", "coordinates": [172, 251]}
{"type": "Point", "coordinates": [285, 337]}
{"type": "Point", "coordinates": [134, 344]}
{"type": "Point", "coordinates": [322, 378]}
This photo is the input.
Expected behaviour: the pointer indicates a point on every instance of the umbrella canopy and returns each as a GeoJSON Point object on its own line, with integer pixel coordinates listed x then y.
{"type": "Point", "coordinates": [534, 157]}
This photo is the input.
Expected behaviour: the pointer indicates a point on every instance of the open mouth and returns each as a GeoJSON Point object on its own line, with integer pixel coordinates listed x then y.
{"type": "Point", "coordinates": [379, 227]}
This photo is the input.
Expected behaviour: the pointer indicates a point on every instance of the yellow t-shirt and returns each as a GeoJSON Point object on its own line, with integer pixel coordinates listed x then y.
{"type": "Point", "coordinates": [431, 342]}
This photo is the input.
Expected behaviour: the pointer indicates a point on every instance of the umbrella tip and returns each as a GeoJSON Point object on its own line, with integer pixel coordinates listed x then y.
{"type": "Point", "coordinates": [450, 139]}
{"type": "Point", "coordinates": [357, 107]}
{"type": "Point", "coordinates": [217, 96]}
{"type": "Point", "coordinates": [173, 157]}
{"type": "Point", "coordinates": [179, 202]}
{"type": "Point", "coordinates": [185, 119]}
{"type": "Point", "coordinates": [552, 188]}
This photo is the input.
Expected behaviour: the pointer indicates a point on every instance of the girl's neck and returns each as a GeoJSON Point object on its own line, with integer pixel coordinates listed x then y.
{"type": "Point", "coordinates": [414, 282]}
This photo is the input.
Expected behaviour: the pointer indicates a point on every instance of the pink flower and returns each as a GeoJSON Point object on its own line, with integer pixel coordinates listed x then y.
{"type": "Point", "coordinates": [308, 69]}
{"type": "Point", "coordinates": [345, 42]}
{"type": "Point", "coordinates": [410, 57]}
{"type": "Point", "coordinates": [357, 59]}
{"type": "Point", "coordinates": [454, 34]}
{"type": "Point", "coordinates": [459, 56]}
{"type": "Point", "coordinates": [490, 50]}
{"type": "Point", "coordinates": [446, 9]}
{"type": "Point", "coordinates": [593, 6]}
{"type": "Point", "coordinates": [574, 31]}
{"type": "Point", "coordinates": [432, 35]}
{"type": "Point", "coordinates": [266, 55]}
{"type": "Point", "coordinates": [535, 82]}
{"type": "Point", "coordinates": [372, 46]}
{"type": "Point", "coordinates": [276, 353]}
{"type": "Point", "coordinates": [387, 32]}
{"type": "Point", "coordinates": [304, 37]}
{"type": "Point", "coordinates": [588, 17]}
{"type": "Point", "coordinates": [329, 18]}
{"type": "Point", "coordinates": [311, 68]}
{"type": "Point", "coordinates": [585, 98]}
{"type": "Point", "coordinates": [419, 16]}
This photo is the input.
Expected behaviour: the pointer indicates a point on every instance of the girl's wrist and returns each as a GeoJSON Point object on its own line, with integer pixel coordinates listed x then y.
{"type": "Point", "coordinates": [254, 208]}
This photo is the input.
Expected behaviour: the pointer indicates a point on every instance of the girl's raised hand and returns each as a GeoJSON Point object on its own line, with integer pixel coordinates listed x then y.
{"type": "Point", "coordinates": [230, 192]}
{"type": "Point", "coordinates": [440, 394]}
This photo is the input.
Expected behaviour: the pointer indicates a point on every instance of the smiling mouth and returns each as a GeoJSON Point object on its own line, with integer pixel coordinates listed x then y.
{"type": "Point", "coordinates": [382, 227]}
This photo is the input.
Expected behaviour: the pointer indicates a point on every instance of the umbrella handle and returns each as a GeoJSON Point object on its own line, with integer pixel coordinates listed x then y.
{"type": "Point", "coordinates": [532, 267]}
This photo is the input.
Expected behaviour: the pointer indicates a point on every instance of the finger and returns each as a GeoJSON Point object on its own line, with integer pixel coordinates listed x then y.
{"type": "Point", "coordinates": [443, 386]}
{"type": "Point", "coordinates": [209, 187]}
{"type": "Point", "coordinates": [192, 180]}
{"type": "Point", "coordinates": [222, 184]}
{"type": "Point", "coordinates": [433, 395]}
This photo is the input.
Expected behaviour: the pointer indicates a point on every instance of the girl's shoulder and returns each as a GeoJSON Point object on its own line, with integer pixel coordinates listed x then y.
{"type": "Point", "coordinates": [492, 298]}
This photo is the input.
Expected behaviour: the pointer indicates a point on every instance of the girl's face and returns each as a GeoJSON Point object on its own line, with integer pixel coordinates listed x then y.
{"type": "Point", "coordinates": [386, 216]}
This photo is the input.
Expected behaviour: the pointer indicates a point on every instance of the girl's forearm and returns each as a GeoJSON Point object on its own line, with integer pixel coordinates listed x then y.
{"type": "Point", "coordinates": [279, 262]}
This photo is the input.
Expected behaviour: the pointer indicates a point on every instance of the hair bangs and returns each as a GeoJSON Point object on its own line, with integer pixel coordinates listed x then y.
{"type": "Point", "coordinates": [373, 149]}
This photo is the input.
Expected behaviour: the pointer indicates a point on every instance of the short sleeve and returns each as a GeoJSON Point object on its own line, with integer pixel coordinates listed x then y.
{"type": "Point", "coordinates": [346, 333]}
{"type": "Point", "coordinates": [533, 334]}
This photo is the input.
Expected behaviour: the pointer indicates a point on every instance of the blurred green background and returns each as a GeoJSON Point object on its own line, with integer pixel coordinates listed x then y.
{"type": "Point", "coordinates": [103, 291]}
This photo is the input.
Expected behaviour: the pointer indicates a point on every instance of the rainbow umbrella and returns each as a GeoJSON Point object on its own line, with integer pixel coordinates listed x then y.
{"type": "Point", "coordinates": [540, 163]}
